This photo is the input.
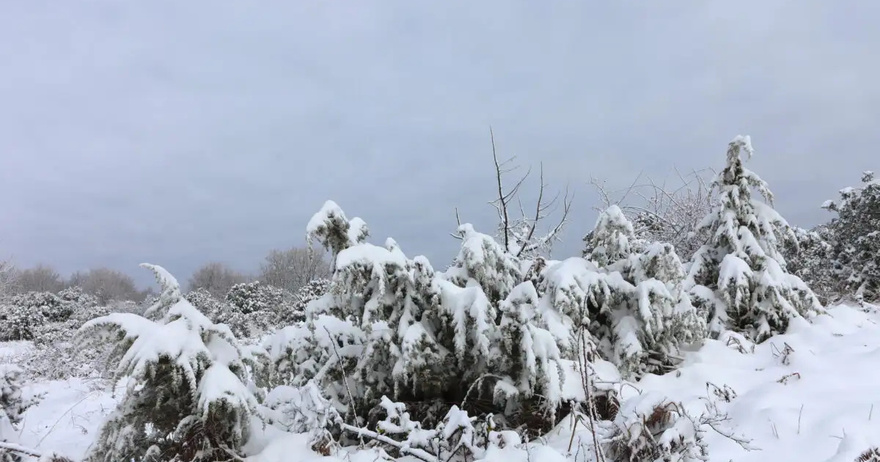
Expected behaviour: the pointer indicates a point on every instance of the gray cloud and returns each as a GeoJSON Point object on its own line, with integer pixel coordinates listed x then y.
{"type": "Point", "coordinates": [178, 133]}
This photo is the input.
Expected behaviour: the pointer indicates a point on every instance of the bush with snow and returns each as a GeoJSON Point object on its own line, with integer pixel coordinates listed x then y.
{"type": "Point", "coordinates": [855, 239]}
{"type": "Point", "coordinates": [19, 322]}
{"type": "Point", "coordinates": [295, 311]}
{"type": "Point", "coordinates": [810, 258]}
{"type": "Point", "coordinates": [13, 405]}
{"type": "Point", "coordinates": [640, 315]}
{"type": "Point", "coordinates": [187, 397]}
{"type": "Point", "coordinates": [739, 278]}
{"type": "Point", "coordinates": [394, 326]}
{"type": "Point", "coordinates": [649, 428]}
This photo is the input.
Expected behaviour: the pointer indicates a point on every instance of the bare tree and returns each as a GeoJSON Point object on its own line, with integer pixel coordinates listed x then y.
{"type": "Point", "coordinates": [662, 212]}
{"type": "Point", "coordinates": [293, 268]}
{"type": "Point", "coordinates": [7, 277]}
{"type": "Point", "coordinates": [519, 234]}
{"type": "Point", "coordinates": [41, 278]}
{"type": "Point", "coordinates": [217, 278]}
{"type": "Point", "coordinates": [107, 285]}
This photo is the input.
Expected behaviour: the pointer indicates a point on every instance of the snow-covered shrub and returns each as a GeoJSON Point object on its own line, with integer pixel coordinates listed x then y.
{"type": "Point", "coordinates": [649, 428]}
{"type": "Point", "coordinates": [249, 297]}
{"type": "Point", "coordinates": [457, 436]}
{"type": "Point", "coordinates": [51, 306]}
{"type": "Point", "coordinates": [809, 258]}
{"type": "Point", "coordinates": [395, 327]}
{"type": "Point", "coordinates": [57, 356]}
{"type": "Point", "coordinates": [19, 322]}
{"type": "Point", "coordinates": [739, 278]}
{"type": "Point", "coordinates": [295, 311]}
{"type": "Point", "coordinates": [187, 399]}
{"type": "Point", "coordinates": [128, 306]}
{"type": "Point", "coordinates": [207, 303]}
{"type": "Point", "coordinates": [244, 325]}
{"type": "Point", "coordinates": [855, 239]}
{"type": "Point", "coordinates": [303, 410]}
{"type": "Point", "coordinates": [639, 315]}
{"type": "Point", "coordinates": [13, 404]}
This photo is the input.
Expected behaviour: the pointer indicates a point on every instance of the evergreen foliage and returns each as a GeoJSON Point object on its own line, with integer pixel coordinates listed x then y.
{"type": "Point", "coordinates": [187, 398]}
{"type": "Point", "coordinates": [739, 276]}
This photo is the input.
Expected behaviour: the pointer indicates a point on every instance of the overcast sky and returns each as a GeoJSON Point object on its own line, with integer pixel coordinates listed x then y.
{"type": "Point", "coordinates": [182, 132]}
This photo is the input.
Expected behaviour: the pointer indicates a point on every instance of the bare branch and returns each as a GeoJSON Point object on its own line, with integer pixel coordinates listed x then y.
{"type": "Point", "coordinates": [456, 235]}
{"type": "Point", "coordinates": [501, 197]}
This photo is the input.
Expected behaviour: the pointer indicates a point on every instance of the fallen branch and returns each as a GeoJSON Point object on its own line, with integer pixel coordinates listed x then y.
{"type": "Point", "coordinates": [20, 449]}
{"type": "Point", "coordinates": [363, 432]}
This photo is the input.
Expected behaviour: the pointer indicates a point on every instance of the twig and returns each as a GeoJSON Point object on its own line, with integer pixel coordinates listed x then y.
{"type": "Point", "coordinates": [800, 414]}
{"type": "Point", "coordinates": [583, 360]}
{"type": "Point", "coordinates": [344, 375]}
{"type": "Point", "coordinates": [62, 416]}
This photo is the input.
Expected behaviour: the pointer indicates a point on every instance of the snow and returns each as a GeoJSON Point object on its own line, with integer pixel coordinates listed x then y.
{"type": "Point", "coordinates": [369, 255]}
{"type": "Point", "coordinates": [816, 402]}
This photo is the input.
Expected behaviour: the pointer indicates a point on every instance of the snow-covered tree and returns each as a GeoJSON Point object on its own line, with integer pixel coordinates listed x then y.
{"type": "Point", "coordinates": [187, 398]}
{"type": "Point", "coordinates": [613, 238]}
{"type": "Point", "coordinates": [855, 239]}
{"type": "Point", "coordinates": [334, 231]}
{"type": "Point", "coordinates": [739, 276]}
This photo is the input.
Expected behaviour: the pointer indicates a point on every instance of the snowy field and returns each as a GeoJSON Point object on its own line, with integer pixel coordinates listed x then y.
{"type": "Point", "coordinates": [812, 394]}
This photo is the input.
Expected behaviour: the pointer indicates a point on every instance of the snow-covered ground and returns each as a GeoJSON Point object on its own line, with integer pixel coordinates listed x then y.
{"type": "Point", "coordinates": [810, 395]}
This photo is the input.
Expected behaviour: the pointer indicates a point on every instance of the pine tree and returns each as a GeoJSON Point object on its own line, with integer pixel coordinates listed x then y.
{"type": "Point", "coordinates": [186, 399]}
{"type": "Point", "coordinates": [738, 278]}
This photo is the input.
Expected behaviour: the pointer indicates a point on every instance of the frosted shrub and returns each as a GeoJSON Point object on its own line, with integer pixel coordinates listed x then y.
{"type": "Point", "coordinates": [295, 311]}
{"type": "Point", "coordinates": [57, 356]}
{"type": "Point", "coordinates": [249, 297]}
{"type": "Point", "coordinates": [855, 239]}
{"type": "Point", "coordinates": [393, 326]}
{"type": "Point", "coordinates": [187, 399]}
{"type": "Point", "coordinates": [19, 322]}
{"type": "Point", "coordinates": [636, 310]}
{"type": "Point", "coordinates": [650, 429]}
